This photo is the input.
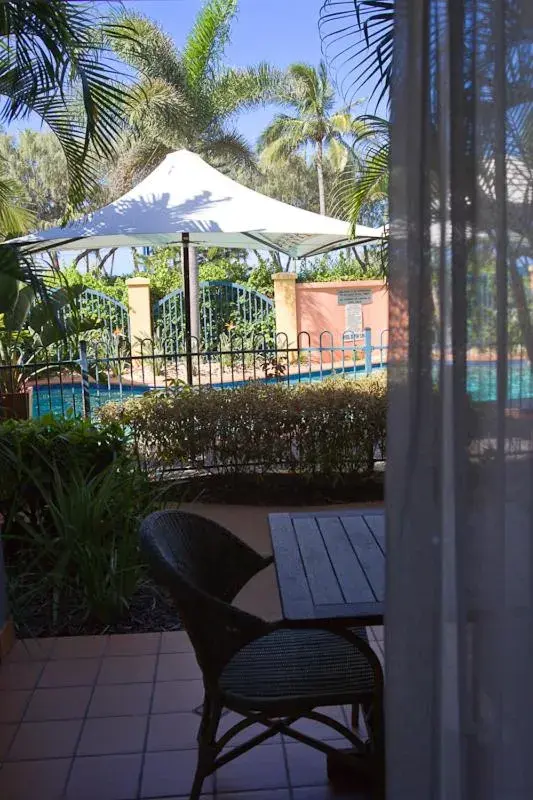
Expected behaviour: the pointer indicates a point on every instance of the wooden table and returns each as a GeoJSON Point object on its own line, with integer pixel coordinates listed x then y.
{"type": "Point", "coordinates": [330, 566]}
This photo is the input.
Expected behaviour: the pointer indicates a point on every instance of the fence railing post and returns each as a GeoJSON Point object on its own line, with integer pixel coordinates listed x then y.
{"type": "Point", "coordinates": [368, 351]}
{"type": "Point", "coordinates": [85, 394]}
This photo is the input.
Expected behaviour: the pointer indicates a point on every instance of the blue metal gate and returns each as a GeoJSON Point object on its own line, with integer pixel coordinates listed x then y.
{"type": "Point", "coordinates": [224, 307]}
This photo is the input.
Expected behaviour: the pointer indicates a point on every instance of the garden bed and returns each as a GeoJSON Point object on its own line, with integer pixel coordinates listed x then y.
{"type": "Point", "coordinates": [279, 489]}
{"type": "Point", "coordinates": [150, 609]}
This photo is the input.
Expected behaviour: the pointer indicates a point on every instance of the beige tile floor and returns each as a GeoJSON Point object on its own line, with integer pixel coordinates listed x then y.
{"type": "Point", "coordinates": [112, 717]}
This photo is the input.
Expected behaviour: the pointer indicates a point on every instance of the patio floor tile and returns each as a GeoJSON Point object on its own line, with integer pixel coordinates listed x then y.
{"type": "Point", "coordinates": [118, 700]}
{"type": "Point", "coordinates": [328, 792]}
{"type": "Point", "coordinates": [13, 705]}
{"type": "Point", "coordinates": [230, 719]}
{"type": "Point", "coordinates": [127, 669]}
{"type": "Point", "coordinates": [317, 729]}
{"type": "Point", "coordinates": [104, 778]}
{"type": "Point", "coordinates": [177, 666]}
{"type": "Point", "coordinates": [23, 675]}
{"type": "Point", "coordinates": [70, 672]}
{"type": "Point", "coordinates": [56, 704]}
{"type": "Point", "coordinates": [267, 794]}
{"type": "Point", "coordinates": [172, 731]}
{"type": "Point", "coordinates": [260, 768]}
{"type": "Point", "coordinates": [133, 644]}
{"type": "Point", "coordinates": [177, 696]}
{"type": "Point", "coordinates": [34, 780]}
{"type": "Point", "coordinates": [31, 650]}
{"type": "Point", "coordinates": [170, 774]}
{"type": "Point", "coordinates": [112, 736]}
{"type": "Point", "coordinates": [7, 733]}
{"type": "Point", "coordinates": [175, 642]}
{"type": "Point", "coordinates": [38, 740]}
{"type": "Point", "coordinates": [307, 766]}
{"type": "Point", "coordinates": [78, 647]}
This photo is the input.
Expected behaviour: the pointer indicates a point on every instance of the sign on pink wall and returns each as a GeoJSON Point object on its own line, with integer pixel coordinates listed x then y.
{"type": "Point", "coordinates": [342, 307]}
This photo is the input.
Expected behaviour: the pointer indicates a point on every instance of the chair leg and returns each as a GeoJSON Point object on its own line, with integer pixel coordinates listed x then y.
{"type": "Point", "coordinates": [206, 744]}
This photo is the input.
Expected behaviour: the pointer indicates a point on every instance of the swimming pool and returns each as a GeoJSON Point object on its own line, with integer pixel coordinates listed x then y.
{"type": "Point", "coordinates": [481, 381]}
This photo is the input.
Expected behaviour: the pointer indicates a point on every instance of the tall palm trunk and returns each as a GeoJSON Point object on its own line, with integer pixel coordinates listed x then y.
{"type": "Point", "coordinates": [320, 175]}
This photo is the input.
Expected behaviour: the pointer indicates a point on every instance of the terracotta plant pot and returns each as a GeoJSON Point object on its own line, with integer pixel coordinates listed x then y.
{"type": "Point", "coordinates": [16, 405]}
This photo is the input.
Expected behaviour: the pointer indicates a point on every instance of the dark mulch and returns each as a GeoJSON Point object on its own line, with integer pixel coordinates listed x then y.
{"type": "Point", "coordinates": [151, 609]}
{"type": "Point", "coordinates": [279, 489]}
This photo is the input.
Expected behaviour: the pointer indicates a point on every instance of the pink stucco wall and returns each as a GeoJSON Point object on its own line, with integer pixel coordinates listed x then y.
{"type": "Point", "coordinates": [318, 310]}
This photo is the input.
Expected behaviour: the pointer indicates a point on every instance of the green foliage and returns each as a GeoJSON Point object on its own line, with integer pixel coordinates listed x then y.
{"type": "Point", "coordinates": [187, 98]}
{"type": "Point", "coordinates": [52, 65]}
{"type": "Point", "coordinates": [72, 497]}
{"type": "Point", "coordinates": [114, 285]}
{"type": "Point", "coordinates": [46, 444]}
{"type": "Point", "coordinates": [29, 326]}
{"type": "Point", "coordinates": [308, 93]}
{"type": "Point", "coordinates": [344, 266]}
{"type": "Point", "coordinates": [329, 428]}
{"type": "Point", "coordinates": [37, 163]}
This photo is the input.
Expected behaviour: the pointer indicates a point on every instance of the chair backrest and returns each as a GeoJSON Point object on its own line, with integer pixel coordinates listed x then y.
{"type": "Point", "coordinates": [204, 566]}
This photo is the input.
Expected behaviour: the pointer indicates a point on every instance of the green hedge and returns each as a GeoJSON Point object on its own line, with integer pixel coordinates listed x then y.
{"type": "Point", "coordinates": [50, 443]}
{"type": "Point", "coordinates": [330, 428]}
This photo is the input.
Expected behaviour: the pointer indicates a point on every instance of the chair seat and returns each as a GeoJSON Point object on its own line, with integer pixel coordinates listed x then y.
{"type": "Point", "coordinates": [291, 669]}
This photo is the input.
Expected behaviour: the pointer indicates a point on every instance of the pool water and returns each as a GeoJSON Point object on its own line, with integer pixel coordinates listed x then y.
{"type": "Point", "coordinates": [481, 380]}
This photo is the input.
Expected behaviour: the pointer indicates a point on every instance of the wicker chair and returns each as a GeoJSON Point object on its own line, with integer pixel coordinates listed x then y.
{"type": "Point", "coordinates": [270, 673]}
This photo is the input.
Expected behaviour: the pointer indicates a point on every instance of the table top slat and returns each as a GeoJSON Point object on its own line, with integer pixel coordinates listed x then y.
{"type": "Point", "coordinates": [330, 567]}
{"type": "Point", "coordinates": [320, 574]}
{"type": "Point", "coordinates": [296, 597]}
{"type": "Point", "coordinates": [350, 574]}
{"type": "Point", "coordinates": [369, 554]}
{"type": "Point", "coordinates": [376, 523]}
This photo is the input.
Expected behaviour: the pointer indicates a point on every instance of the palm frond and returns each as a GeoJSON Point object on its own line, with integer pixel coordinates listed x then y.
{"type": "Point", "coordinates": [357, 37]}
{"type": "Point", "coordinates": [207, 40]}
{"type": "Point", "coordinates": [241, 89]}
{"type": "Point", "coordinates": [136, 160]}
{"type": "Point", "coordinates": [143, 45]}
{"type": "Point", "coordinates": [48, 56]}
{"type": "Point", "coordinates": [15, 219]}
{"type": "Point", "coordinates": [361, 183]}
{"type": "Point", "coordinates": [228, 151]}
{"type": "Point", "coordinates": [290, 131]}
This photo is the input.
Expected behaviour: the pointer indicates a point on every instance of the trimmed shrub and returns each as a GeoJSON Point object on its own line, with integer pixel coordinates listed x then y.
{"type": "Point", "coordinates": [329, 428]}
{"type": "Point", "coordinates": [49, 444]}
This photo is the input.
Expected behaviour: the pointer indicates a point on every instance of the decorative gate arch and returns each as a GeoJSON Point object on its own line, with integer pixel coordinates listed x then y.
{"type": "Point", "coordinates": [222, 305]}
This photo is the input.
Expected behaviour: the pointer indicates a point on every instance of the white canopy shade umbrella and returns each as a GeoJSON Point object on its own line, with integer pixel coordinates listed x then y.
{"type": "Point", "coordinates": [184, 195]}
{"type": "Point", "coordinates": [185, 201]}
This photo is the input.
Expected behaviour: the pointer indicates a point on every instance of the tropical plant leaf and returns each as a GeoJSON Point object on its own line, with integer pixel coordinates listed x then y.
{"type": "Point", "coordinates": [50, 57]}
{"type": "Point", "coordinates": [207, 40]}
{"type": "Point", "coordinates": [14, 218]}
{"type": "Point", "coordinates": [357, 36]}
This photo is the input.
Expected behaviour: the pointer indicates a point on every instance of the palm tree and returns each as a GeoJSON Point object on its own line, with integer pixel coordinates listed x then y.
{"type": "Point", "coordinates": [308, 93]}
{"type": "Point", "coordinates": [53, 65]}
{"type": "Point", "coordinates": [362, 186]}
{"type": "Point", "coordinates": [187, 98]}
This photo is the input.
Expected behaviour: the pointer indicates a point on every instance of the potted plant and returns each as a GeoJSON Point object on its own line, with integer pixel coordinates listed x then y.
{"type": "Point", "coordinates": [27, 327]}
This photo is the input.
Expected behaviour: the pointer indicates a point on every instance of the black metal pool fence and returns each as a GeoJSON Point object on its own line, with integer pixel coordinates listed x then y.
{"type": "Point", "coordinates": [93, 375]}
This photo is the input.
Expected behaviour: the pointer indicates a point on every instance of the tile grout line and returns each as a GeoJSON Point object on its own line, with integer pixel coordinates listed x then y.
{"type": "Point", "coordinates": [286, 762]}
{"type": "Point", "coordinates": [84, 719]}
{"type": "Point", "coordinates": [150, 706]}
{"type": "Point", "coordinates": [30, 698]}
